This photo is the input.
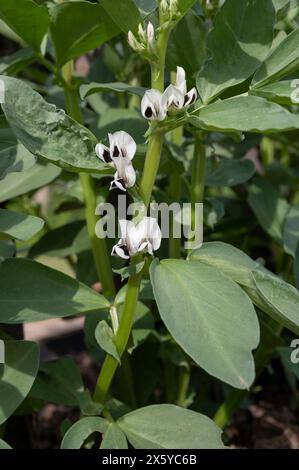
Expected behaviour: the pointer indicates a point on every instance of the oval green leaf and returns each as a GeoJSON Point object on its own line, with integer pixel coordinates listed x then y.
{"type": "Point", "coordinates": [170, 427]}
{"type": "Point", "coordinates": [74, 438]}
{"type": "Point", "coordinates": [30, 291]}
{"type": "Point", "coordinates": [195, 303]}
{"type": "Point", "coordinates": [17, 375]}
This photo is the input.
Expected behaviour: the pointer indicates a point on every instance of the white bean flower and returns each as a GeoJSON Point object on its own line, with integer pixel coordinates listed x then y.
{"type": "Point", "coordinates": [119, 154]}
{"type": "Point", "coordinates": [144, 237]}
{"type": "Point", "coordinates": [155, 105]}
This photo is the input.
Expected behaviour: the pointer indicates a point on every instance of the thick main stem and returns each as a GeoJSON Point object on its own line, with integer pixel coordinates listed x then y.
{"type": "Point", "coordinates": [98, 245]}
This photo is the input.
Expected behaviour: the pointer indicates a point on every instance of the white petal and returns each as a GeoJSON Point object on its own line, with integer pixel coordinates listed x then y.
{"type": "Point", "coordinates": [103, 153]}
{"type": "Point", "coordinates": [150, 31]}
{"type": "Point", "coordinates": [190, 97]}
{"type": "Point", "coordinates": [125, 172]}
{"type": "Point", "coordinates": [151, 105]}
{"type": "Point", "coordinates": [116, 183]}
{"type": "Point", "coordinates": [122, 145]}
{"type": "Point", "coordinates": [149, 231]}
{"type": "Point", "coordinates": [130, 235]}
{"type": "Point", "coordinates": [132, 41]}
{"type": "Point", "coordinates": [119, 251]}
{"type": "Point", "coordinates": [172, 96]}
{"type": "Point", "coordinates": [180, 82]}
{"type": "Point", "coordinates": [154, 233]}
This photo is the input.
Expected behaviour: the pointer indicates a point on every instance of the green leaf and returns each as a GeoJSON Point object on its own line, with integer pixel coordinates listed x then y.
{"type": "Point", "coordinates": [205, 330]}
{"type": "Point", "coordinates": [291, 230]}
{"type": "Point", "coordinates": [60, 242]}
{"type": "Point", "coordinates": [146, 6]}
{"type": "Point", "coordinates": [16, 184]}
{"type": "Point", "coordinates": [124, 14]}
{"type": "Point", "coordinates": [75, 437]}
{"type": "Point", "coordinates": [128, 120]}
{"type": "Point", "coordinates": [17, 375]}
{"type": "Point", "coordinates": [271, 294]}
{"type": "Point", "coordinates": [7, 249]}
{"type": "Point", "coordinates": [170, 427]}
{"type": "Point", "coordinates": [78, 27]}
{"type": "Point", "coordinates": [105, 339]}
{"type": "Point", "coordinates": [281, 298]}
{"type": "Point", "coordinates": [92, 88]}
{"type": "Point", "coordinates": [281, 92]}
{"type": "Point", "coordinates": [19, 226]}
{"type": "Point", "coordinates": [13, 156]}
{"type": "Point", "coordinates": [27, 19]}
{"type": "Point", "coordinates": [268, 207]}
{"type": "Point", "coordinates": [15, 63]}
{"type": "Point", "coordinates": [61, 382]}
{"type": "Point", "coordinates": [282, 61]}
{"type": "Point", "coordinates": [187, 44]}
{"type": "Point", "coordinates": [245, 114]}
{"type": "Point", "coordinates": [280, 4]}
{"type": "Point", "coordinates": [229, 172]}
{"type": "Point", "coordinates": [233, 262]}
{"type": "Point", "coordinates": [114, 438]}
{"type": "Point", "coordinates": [30, 291]}
{"type": "Point", "coordinates": [4, 445]}
{"type": "Point", "coordinates": [130, 270]}
{"type": "Point", "coordinates": [238, 43]}
{"type": "Point", "coordinates": [48, 132]}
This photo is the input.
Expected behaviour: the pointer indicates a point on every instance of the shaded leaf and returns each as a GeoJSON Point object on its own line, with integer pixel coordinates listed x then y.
{"type": "Point", "coordinates": [20, 226]}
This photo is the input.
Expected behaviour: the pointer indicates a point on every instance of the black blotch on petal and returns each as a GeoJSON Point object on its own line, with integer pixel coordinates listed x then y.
{"type": "Point", "coordinates": [115, 152]}
{"type": "Point", "coordinates": [106, 156]}
{"type": "Point", "coordinates": [125, 250]}
{"type": "Point", "coordinates": [148, 112]}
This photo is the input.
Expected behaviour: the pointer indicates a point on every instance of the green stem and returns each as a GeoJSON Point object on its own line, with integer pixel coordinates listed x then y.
{"type": "Point", "coordinates": [121, 339]}
{"type": "Point", "coordinates": [184, 380]}
{"type": "Point", "coordinates": [98, 245]}
{"type": "Point", "coordinates": [151, 166]}
{"type": "Point", "coordinates": [198, 173]}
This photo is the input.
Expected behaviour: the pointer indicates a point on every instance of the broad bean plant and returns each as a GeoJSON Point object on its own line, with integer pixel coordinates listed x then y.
{"type": "Point", "coordinates": [155, 105]}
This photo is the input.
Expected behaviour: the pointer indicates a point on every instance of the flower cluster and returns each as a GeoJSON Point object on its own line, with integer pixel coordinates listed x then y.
{"type": "Point", "coordinates": [144, 237]}
{"type": "Point", "coordinates": [155, 105]}
{"type": "Point", "coordinates": [119, 154]}
{"type": "Point", "coordinates": [144, 41]}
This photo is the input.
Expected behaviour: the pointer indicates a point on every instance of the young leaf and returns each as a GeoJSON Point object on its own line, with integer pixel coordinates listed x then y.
{"type": "Point", "coordinates": [268, 207]}
{"type": "Point", "coordinates": [46, 131]}
{"type": "Point", "coordinates": [75, 437]}
{"type": "Point", "coordinates": [19, 226]}
{"type": "Point", "coordinates": [17, 375]}
{"type": "Point", "coordinates": [245, 114]}
{"type": "Point", "coordinates": [114, 438]}
{"type": "Point", "coordinates": [238, 43]}
{"type": "Point", "coordinates": [282, 61]}
{"type": "Point", "coordinates": [105, 339]}
{"type": "Point", "coordinates": [170, 427]}
{"type": "Point", "coordinates": [38, 175]}
{"type": "Point", "coordinates": [78, 27]}
{"type": "Point", "coordinates": [30, 291]}
{"type": "Point", "coordinates": [27, 19]}
{"type": "Point", "coordinates": [205, 329]}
